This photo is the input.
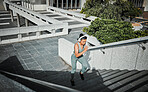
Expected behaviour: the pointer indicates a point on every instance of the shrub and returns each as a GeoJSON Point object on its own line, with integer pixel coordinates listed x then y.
{"type": "Point", "coordinates": [110, 30]}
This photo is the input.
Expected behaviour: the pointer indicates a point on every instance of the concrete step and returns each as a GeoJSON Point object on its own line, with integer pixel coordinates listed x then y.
{"type": "Point", "coordinates": [144, 88]}
{"type": "Point", "coordinates": [4, 15]}
{"type": "Point", "coordinates": [119, 78]}
{"type": "Point", "coordinates": [100, 80]}
{"type": "Point", "coordinates": [115, 75]}
{"type": "Point", "coordinates": [134, 85]}
{"type": "Point", "coordinates": [4, 12]}
{"type": "Point", "coordinates": [126, 80]}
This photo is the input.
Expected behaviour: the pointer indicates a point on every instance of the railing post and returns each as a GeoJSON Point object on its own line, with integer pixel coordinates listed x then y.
{"type": "Point", "coordinates": [18, 20]}
{"type": "Point", "coordinates": [26, 22]}
{"type": "Point", "coordinates": [65, 28]}
{"type": "Point", "coordinates": [11, 13]}
{"type": "Point", "coordinates": [53, 31]}
{"type": "Point", "coordinates": [38, 34]}
{"type": "Point", "coordinates": [19, 36]}
{"type": "Point", "coordinates": [76, 4]}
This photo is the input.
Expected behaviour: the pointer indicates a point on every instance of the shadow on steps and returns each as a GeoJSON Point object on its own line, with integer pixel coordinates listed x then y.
{"type": "Point", "coordinates": [94, 80]}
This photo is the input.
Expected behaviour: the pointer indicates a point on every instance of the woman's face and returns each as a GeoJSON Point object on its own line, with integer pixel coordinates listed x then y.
{"type": "Point", "coordinates": [83, 41]}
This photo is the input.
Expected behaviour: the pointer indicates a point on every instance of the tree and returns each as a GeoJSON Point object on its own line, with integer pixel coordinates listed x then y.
{"type": "Point", "coordinates": [106, 10]}
{"type": "Point", "coordinates": [128, 9]}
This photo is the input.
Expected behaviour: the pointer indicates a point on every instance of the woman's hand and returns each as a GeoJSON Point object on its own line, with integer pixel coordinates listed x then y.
{"type": "Point", "coordinates": [77, 54]}
{"type": "Point", "coordinates": [86, 48]}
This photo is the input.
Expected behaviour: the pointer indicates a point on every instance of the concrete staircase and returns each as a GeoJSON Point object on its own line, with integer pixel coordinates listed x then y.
{"type": "Point", "coordinates": [95, 80]}
{"type": "Point", "coordinates": [5, 20]}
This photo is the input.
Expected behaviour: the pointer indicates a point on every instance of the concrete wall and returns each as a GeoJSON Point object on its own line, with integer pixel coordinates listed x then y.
{"type": "Point", "coordinates": [1, 5]}
{"type": "Point", "coordinates": [65, 50]}
{"type": "Point", "coordinates": [130, 56]}
{"type": "Point", "coordinates": [145, 5]}
{"type": "Point", "coordinates": [82, 3]}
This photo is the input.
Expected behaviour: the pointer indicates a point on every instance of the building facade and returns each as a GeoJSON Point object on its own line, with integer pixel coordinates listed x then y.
{"type": "Point", "coordinates": [66, 4]}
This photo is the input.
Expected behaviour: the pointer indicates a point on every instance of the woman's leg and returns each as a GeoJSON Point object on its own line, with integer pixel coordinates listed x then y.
{"type": "Point", "coordinates": [85, 64]}
{"type": "Point", "coordinates": [73, 63]}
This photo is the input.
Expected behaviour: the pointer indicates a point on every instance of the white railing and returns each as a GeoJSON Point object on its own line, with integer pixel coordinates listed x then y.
{"type": "Point", "coordinates": [52, 30]}
{"type": "Point", "coordinates": [128, 54]}
{"type": "Point", "coordinates": [72, 14]}
{"type": "Point", "coordinates": [52, 26]}
{"type": "Point", "coordinates": [35, 17]}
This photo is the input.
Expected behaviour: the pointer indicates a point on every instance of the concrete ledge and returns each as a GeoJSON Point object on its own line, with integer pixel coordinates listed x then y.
{"type": "Point", "coordinates": [72, 14]}
{"type": "Point", "coordinates": [123, 56]}
{"type": "Point", "coordinates": [37, 29]}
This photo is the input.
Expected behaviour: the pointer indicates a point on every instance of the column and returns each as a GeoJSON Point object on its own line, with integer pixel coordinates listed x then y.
{"type": "Point", "coordinates": [25, 3]}
{"type": "Point", "coordinates": [146, 5]}
{"type": "Point", "coordinates": [81, 4]}
{"type": "Point", "coordinates": [31, 5]}
{"type": "Point", "coordinates": [67, 4]}
{"type": "Point", "coordinates": [47, 2]}
{"type": "Point", "coordinates": [18, 19]}
{"type": "Point", "coordinates": [26, 22]}
{"type": "Point", "coordinates": [71, 4]}
{"type": "Point", "coordinates": [57, 3]}
{"type": "Point", "coordinates": [11, 13]}
{"type": "Point", "coordinates": [62, 4]}
{"type": "Point", "coordinates": [76, 4]}
{"type": "Point", "coordinates": [51, 2]}
{"type": "Point", "coordinates": [28, 4]}
{"type": "Point", "coordinates": [22, 3]}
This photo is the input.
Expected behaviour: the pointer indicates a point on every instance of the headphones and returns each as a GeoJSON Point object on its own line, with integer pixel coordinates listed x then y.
{"type": "Point", "coordinates": [81, 38]}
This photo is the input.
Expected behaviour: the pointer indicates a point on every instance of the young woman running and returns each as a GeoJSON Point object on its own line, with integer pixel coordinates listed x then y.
{"type": "Point", "coordinates": [79, 49]}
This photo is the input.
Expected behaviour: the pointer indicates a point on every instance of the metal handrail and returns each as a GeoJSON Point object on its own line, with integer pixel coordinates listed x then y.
{"type": "Point", "coordinates": [125, 42]}
{"type": "Point", "coordinates": [56, 87]}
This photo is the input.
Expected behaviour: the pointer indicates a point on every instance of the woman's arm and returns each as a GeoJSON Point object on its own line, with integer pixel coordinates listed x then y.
{"type": "Point", "coordinates": [77, 54]}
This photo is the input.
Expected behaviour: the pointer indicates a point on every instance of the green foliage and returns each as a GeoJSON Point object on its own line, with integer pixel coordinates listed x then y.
{"type": "Point", "coordinates": [141, 33]}
{"type": "Point", "coordinates": [105, 10]}
{"type": "Point", "coordinates": [109, 30]}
